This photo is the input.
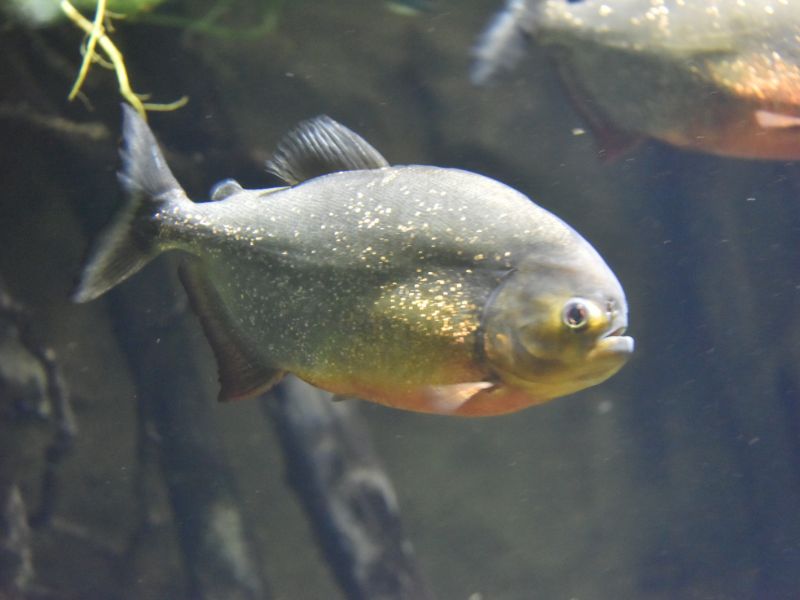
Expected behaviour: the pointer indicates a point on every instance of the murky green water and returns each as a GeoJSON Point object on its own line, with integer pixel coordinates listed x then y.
{"type": "Point", "coordinates": [677, 478]}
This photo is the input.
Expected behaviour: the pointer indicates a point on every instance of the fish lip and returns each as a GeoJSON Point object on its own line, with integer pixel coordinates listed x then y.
{"type": "Point", "coordinates": [612, 343]}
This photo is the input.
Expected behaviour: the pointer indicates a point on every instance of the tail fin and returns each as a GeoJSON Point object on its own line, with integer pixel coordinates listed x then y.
{"type": "Point", "coordinates": [502, 44]}
{"type": "Point", "coordinates": [131, 240]}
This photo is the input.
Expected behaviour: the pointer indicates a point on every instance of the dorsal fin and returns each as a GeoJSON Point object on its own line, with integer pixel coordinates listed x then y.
{"type": "Point", "coordinates": [242, 373]}
{"type": "Point", "coordinates": [320, 146]}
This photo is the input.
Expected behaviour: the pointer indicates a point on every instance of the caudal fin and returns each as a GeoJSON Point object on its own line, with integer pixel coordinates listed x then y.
{"type": "Point", "coordinates": [502, 44]}
{"type": "Point", "coordinates": [131, 240]}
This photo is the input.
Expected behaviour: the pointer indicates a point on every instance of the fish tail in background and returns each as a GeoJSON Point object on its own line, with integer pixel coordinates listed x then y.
{"type": "Point", "coordinates": [131, 241]}
{"type": "Point", "coordinates": [502, 44]}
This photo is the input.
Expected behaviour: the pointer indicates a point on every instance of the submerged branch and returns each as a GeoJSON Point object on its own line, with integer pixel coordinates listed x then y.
{"type": "Point", "coordinates": [58, 407]}
{"type": "Point", "coordinates": [333, 468]}
{"type": "Point", "coordinates": [16, 564]}
{"type": "Point", "coordinates": [178, 404]}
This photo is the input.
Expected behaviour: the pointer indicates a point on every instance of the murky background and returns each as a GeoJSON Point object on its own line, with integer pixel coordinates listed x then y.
{"type": "Point", "coordinates": [677, 478]}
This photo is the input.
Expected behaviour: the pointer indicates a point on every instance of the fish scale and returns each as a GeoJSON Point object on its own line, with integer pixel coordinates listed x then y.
{"type": "Point", "coordinates": [402, 300]}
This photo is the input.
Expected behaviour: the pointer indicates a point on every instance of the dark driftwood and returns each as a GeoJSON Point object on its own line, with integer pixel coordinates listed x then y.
{"type": "Point", "coordinates": [349, 498]}
{"type": "Point", "coordinates": [22, 404]}
{"type": "Point", "coordinates": [16, 565]}
{"type": "Point", "coordinates": [52, 404]}
{"type": "Point", "coordinates": [33, 399]}
{"type": "Point", "coordinates": [37, 390]}
{"type": "Point", "coordinates": [177, 402]}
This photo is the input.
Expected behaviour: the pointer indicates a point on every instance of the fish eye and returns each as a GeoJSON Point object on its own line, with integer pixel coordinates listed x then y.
{"type": "Point", "coordinates": [575, 315]}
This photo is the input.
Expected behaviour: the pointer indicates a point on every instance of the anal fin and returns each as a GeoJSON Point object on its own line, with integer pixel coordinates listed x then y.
{"type": "Point", "coordinates": [242, 372]}
{"type": "Point", "coordinates": [612, 142]}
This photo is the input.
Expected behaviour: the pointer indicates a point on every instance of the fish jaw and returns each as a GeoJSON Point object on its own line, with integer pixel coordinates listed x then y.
{"type": "Point", "coordinates": [542, 378]}
{"type": "Point", "coordinates": [484, 399]}
{"type": "Point", "coordinates": [513, 394]}
{"type": "Point", "coordinates": [606, 359]}
{"type": "Point", "coordinates": [610, 354]}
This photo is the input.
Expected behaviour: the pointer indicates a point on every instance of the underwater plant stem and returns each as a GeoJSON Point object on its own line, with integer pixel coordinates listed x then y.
{"type": "Point", "coordinates": [97, 35]}
{"type": "Point", "coordinates": [96, 31]}
{"type": "Point", "coordinates": [108, 47]}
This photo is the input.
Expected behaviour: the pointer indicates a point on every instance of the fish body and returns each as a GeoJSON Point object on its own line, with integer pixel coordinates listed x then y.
{"type": "Point", "coordinates": [405, 285]}
{"type": "Point", "coordinates": [718, 76]}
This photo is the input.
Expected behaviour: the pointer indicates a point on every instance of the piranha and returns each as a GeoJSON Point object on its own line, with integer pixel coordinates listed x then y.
{"type": "Point", "coordinates": [418, 287]}
{"type": "Point", "coordinates": [716, 76]}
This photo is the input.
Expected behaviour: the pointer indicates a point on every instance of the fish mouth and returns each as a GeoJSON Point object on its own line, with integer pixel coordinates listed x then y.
{"type": "Point", "coordinates": [614, 342]}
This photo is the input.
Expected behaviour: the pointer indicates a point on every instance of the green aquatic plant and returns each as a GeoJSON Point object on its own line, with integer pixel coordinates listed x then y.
{"type": "Point", "coordinates": [211, 23]}
{"type": "Point", "coordinates": [99, 48]}
{"type": "Point", "coordinates": [96, 31]}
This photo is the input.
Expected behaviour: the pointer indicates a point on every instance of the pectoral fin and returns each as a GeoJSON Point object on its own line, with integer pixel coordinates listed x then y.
{"type": "Point", "coordinates": [480, 399]}
{"type": "Point", "coordinates": [772, 120]}
{"type": "Point", "coordinates": [242, 372]}
{"type": "Point", "coordinates": [448, 399]}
